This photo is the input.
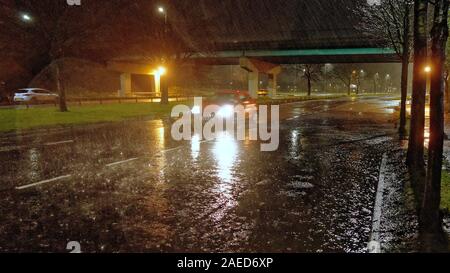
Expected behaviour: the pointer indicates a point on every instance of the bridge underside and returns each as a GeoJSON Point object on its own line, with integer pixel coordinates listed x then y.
{"type": "Point", "coordinates": [257, 62]}
{"type": "Point", "coordinates": [304, 56]}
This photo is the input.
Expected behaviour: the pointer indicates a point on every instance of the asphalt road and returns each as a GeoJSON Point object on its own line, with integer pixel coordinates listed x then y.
{"type": "Point", "coordinates": [128, 187]}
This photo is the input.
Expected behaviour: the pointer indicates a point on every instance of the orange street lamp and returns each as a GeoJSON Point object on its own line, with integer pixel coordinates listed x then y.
{"type": "Point", "coordinates": [427, 69]}
{"type": "Point", "coordinates": [162, 70]}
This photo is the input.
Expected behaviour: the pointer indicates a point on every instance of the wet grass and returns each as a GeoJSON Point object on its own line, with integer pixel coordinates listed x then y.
{"type": "Point", "coordinates": [17, 119]}
{"type": "Point", "coordinates": [298, 98]}
{"type": "Point", "coordinates": [445, 191]}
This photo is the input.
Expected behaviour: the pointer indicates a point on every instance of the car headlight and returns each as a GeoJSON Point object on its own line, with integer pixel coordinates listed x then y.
{"type": "Point", "coordinates": [196, 110]}
{"type": "Point", "coordinates": [226, 111]}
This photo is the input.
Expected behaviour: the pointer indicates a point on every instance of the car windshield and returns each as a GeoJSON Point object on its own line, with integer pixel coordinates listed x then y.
{"type": "Point", "coordinates": [224, 97]}
{"type": "Point", "coordinates": [22, 91]}
{"type": "Point", "coordinates": [244, 97]}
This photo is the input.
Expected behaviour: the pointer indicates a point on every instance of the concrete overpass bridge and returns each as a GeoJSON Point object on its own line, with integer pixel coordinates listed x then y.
{"type": "Point", "coordinates": [261, 35]}
{"type": "Point", "coordinates": [257, 62]}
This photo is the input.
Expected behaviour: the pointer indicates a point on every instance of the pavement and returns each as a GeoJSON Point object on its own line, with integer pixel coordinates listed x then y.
{"type": "Point", "coordinates": [128, 187]}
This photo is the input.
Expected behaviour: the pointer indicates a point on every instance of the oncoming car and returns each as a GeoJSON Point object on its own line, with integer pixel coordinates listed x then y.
{"type": "Point", "coordinates": [35, 96]}
{"type": "Point", "coordinates": [227, 101]}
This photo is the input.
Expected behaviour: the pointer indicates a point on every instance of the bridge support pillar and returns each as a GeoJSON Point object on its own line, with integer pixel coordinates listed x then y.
{"type": "Point", "coordinates": [254, 67]}
{"type": "Point", "coordinates": [157, 78]}
{"type": "Point", "coordinates": [253, 84]}
{"type": "Point", "coordinates": [273, 85]}
{"type": "Point", "coordinates": [125, 85]}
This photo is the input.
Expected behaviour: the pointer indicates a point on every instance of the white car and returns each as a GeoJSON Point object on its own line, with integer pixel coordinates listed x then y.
{"type": "Point", "coordinates": [35, 95]}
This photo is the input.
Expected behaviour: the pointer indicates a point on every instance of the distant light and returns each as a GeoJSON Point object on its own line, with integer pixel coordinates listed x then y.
{"type": "Point", "coordinates": [427, 69]}
{"type": "Point", "coordinates": [226, 111]}
{"type": "Point", "coordinates": [196, 110]}
{"type": "Point", "coordinates": [161, 10]}
{"type": "Point", "coordinates": [374, 2]}
{"type": "Point", "coordinates": [26, 17]}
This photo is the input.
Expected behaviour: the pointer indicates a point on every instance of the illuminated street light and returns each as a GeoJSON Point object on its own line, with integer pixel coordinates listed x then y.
{"type": "Point", "coordinates": [427, 69]}
{"type": "Point", "coordinates": [162, 70]}
{"type": "Point", "coordinates": [162, 10]}
{"type": "Point", "coordinates": [26, 17]}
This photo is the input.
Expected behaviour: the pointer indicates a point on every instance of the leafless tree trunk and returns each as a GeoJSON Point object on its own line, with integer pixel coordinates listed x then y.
{"type": "Point", "coordinates": [447, 94]}
{"type": "Point", "coordinates": [309, 86]}
{"type": "Point", "coordinates": [430, 220]}
{"type": "Point", "coordinates": [165, 89]}
{"type": "Point", "coordinates": [349, 88]}
{"type": "Point", "coordinates": [390, 21]}
{"type": "Point", "coordinates": [405, 70]}
{"type": "Point", "coordinates": [416, 136]}
{"type": "Point", "coordinates": [60, 88]}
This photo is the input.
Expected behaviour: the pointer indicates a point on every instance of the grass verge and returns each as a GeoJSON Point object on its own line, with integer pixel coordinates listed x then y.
{"type": "Point", "coordinates": [46, 116]}
{"type": "Point", "coordinates": [445, 191]}
{"type": "Point", "coordinates": [298, 98]}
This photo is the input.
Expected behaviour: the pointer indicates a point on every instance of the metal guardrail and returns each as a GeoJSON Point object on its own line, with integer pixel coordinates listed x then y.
{"type": "Point", "coordinates": [152, 99]}
{"type": "Point", "coordinates": [101, 100]}
{"type": "Point", "coordinates": [136, 99]}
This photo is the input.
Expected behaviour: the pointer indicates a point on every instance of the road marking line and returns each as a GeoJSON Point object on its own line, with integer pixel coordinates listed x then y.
{"type": "Point", "coordinates": [374, 245]}
{"type": "Point", "coordinates": [58, 143]}
{"type": "Point", "coordinates": [121, 162]}
{"type": "Point", "coordinates": [172, 149]}
{"type": "Point", "coordinates": [43, 182]}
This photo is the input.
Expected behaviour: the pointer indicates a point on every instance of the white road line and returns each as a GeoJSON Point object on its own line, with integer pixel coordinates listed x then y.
{"type": "Point", "coordinates": [43, 182]}
{"type": "Point", "coordinates": [172, 149]}
{"type": "Point", "coordinates": [374, 245]}
{"type": "Point", "coordinates": [121, 162]}
{"type": "Point", "coordinates": [58, 143]}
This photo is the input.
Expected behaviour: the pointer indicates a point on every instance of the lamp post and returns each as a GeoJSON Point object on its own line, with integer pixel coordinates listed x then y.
{"type": "Point", "coordinates": [387, 83]}
{"type": "Point", "coordinates": [361, 76]}
{"type": "Point", "coordinates": [163, 11]}
{"type": "Point", "coordinates": [327, 68]}
{"type": "Point", "coordinates": [164, 81]}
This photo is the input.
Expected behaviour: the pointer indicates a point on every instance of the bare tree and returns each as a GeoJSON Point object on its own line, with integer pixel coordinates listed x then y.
{"type": "Point", "coordinates": [389, 20]}
{"type": "Point", "coordinates": [446, 79]}
{"type": "Point", "coordinates": [347, 74]}
{"type": "Point", "coordinates": [59, 30]}
{"type": "Point", "coordinates": [161, 42]}
{"type": "Point", "coordinates": [311, 72]}
{"type": "Point", "coordinates": [429, 210]}
{"type": "Point", "coordinates": [416, 135]}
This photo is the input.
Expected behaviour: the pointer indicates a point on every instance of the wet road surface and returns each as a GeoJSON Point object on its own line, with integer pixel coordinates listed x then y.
{"type": "Point", "coordinates": [128, 187]}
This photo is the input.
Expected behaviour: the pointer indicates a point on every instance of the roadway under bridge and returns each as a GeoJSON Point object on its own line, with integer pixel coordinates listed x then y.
{"type": "Point", "coordinates": [257, 62]}
{"type": "Point", "coordinates": [247, 33]}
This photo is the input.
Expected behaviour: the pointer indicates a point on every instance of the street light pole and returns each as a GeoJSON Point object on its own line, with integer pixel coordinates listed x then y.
{"type": "Point", "coordinates": [164, 81]}
{"type": "Point", "coordinates": [164, 12]}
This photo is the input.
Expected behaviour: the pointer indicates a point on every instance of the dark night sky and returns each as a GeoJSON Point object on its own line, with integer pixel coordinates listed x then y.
{"type": "Point", "coordinates": [269, 23]}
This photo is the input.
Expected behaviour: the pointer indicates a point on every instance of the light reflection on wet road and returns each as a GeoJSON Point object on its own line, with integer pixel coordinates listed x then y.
{"type": "Point", "coordinates": [314, 194]}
